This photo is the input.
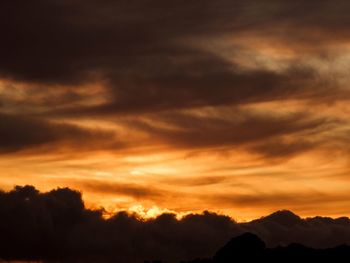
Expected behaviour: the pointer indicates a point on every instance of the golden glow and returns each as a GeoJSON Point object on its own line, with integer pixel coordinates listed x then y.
{"type": "Point", "coordinates": [150, 173]}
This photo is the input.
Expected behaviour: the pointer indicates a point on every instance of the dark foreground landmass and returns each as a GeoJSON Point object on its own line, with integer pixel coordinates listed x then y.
{"type": "Point", "coordinates": [250, 248]}
{"type": "Point", "coordinates": [56, 226]}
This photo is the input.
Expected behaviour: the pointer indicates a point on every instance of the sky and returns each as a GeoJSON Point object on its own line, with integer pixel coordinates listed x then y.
{"type": "Point", "coordinates": [150, 106]}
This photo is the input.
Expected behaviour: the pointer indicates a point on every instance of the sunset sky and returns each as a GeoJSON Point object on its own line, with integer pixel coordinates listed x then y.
{"type": "Point", "coordinates": [237, 107]}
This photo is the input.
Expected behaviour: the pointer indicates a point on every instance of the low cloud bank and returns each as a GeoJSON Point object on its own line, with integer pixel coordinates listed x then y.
{"type": "Point", "coordinates": [56, 225]}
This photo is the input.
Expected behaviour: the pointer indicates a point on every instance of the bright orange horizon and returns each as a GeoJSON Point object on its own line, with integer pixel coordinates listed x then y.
{"type": "Point", "coordinates": [236, 108]}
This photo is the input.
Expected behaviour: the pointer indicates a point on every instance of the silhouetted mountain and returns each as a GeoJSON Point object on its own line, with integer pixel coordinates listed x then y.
{"type": "Point", "coordinates": [283, 217]}
{"type": "Point", "coordinates": [246, 246]}
{"type": "Point", "coordinates": [319, 220]}
{"type": "Point", "coordinates": [249, 248]}
{"type": "Point", "coordinates": [56, 226]}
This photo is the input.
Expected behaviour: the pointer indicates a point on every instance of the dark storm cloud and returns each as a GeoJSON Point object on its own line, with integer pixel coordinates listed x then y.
{"type": "Point", "coordinates": [55, 225]}
{"type": "Point", "coordinates": [149, 51]}
{"type": "Point", "coordinates": [21, 132]}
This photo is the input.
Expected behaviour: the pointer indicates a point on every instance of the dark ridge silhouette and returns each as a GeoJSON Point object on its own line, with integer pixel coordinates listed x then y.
{"type": "Point", "coordinates": [246, 246]}
{"type": "Point", "coordinates": [250, 248]}
{"type": "Point", "coordinates": [56, 226]}
{"type": "Point", "coordinates": [285, 218]}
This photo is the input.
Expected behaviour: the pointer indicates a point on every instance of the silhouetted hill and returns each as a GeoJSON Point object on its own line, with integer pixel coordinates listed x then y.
{"type": "Point", "coordinates": [282, 217]}
{"type": "Point", "coordinates": [246, 246]}
{"type": "Point", "coordinates": [250, 248]}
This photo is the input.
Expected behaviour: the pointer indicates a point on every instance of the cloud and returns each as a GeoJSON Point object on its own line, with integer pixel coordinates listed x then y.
{"type": "Point", "coordinates": [262, 133]}
{"type": "Point", "coordinates": [150, 56]}
{"type": "Point", "coordinates": [167, 71]}
{"type": "Point", "coordinates": [277, 148]}
{"type": "Point", "coordinates": [21, 132]}
{"type": "Point", "coordinates": [137, 191]}
{"type": "Point", "coordinates": [55, 225]}
{"type": "Point", "coordinates": [277, 198]}
{"type": "Point", "coordinates": [118, 59]}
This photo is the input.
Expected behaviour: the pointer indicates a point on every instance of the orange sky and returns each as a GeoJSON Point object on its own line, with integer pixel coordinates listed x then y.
{"type": "Point", "coordinates": [240, 109]}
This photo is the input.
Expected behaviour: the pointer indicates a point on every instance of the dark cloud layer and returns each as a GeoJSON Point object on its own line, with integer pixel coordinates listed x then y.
{"type": "Point", "coordinates": [21, 132]}
{"type": "Point", "coordinates": [136, 191]}
{"type": "Point", "coordinates": [264, 134]}
{"type": "Point", "coordinates": [151, 57]}
{"type": "Point", "coordinates": [149, 52]}
{"type": "Point", "coordinates": [55, 225]}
